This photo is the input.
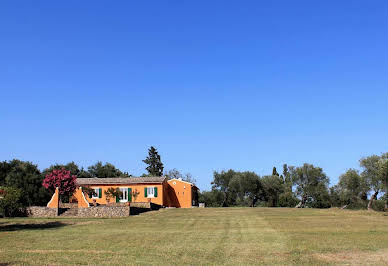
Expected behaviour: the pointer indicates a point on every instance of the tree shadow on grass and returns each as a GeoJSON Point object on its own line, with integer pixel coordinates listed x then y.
{"type": "Point", "coordinates": [31, 226]}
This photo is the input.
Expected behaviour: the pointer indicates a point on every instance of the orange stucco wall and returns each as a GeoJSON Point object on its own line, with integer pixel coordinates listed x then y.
{"type": "Point", "coordinates": [159, 199]}
{"type": "Point", "coordinates": [54, 202]}
{"type": "Point", "coordinates": [81, 198]}
{"type": "Point", "coordinates": [180, 194]}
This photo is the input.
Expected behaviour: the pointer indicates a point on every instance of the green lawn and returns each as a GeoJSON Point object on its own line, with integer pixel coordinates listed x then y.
{"type": "Point", "coordinates": [201, 236]}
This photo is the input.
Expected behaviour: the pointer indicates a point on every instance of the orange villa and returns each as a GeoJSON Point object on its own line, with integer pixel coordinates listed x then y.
{"type": "Point", "coordinates": [157, 190]}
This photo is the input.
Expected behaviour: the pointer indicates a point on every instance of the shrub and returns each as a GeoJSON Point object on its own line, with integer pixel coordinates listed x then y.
{"type": "Point", "coordinates": [287, 199]}
{"type": "Point", "coordinates": [378, 205]}
{"type": "Point", "coordinates": [61, 179]}
{"type": "Point", "coordinates": [10, 201]}
{"type": "Point", "coordinates": [113, 193]}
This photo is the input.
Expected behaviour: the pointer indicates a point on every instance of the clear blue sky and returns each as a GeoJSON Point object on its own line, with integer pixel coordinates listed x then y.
{"type": "Point", "coordinates": [213, 85]}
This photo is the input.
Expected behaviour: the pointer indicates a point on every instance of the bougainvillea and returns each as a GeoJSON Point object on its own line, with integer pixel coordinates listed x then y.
{"type": "Point", "coordinates": [61, 179]}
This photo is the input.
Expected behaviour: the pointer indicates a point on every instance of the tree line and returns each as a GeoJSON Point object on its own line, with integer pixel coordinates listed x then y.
{"type": "Point", "coordinates": [303, 186]}
{"type": "Point", "coordinates": [23, 184]}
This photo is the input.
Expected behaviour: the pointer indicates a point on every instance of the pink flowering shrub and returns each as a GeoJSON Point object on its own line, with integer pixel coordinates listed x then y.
{"type": "Point", "coordinates": [62, 179]}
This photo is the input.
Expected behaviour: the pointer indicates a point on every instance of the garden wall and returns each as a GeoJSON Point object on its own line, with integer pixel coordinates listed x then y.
{"type": "Point", "coordinates": [36, 211]}
{"type": "Point", "coordinates": [104, 211]}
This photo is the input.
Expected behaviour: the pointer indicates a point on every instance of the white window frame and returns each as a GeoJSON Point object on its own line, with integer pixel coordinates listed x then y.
{"type": "Point", "coordinates": [124, 190]}
{"type": "Point", "coordinates": [149, 190]}
{"type": "Point", "coordinates": [97, 191]}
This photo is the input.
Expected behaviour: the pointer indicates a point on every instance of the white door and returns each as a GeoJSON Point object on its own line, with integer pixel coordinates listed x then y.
{"type": "Point", "coordinates": [124, 197]}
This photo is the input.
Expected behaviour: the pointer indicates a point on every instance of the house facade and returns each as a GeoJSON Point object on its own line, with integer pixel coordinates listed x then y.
{"type": "Point", "coordinates": [157, 190]}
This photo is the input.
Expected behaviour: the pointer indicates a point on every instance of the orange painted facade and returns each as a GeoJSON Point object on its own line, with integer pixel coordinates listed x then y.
{"type": "Point", "coordinates": [81, 199]}
{"type": "Point", "coordinates": [54, 202]}
{"type": "Point", "coordinates": [181, 194]}
{"type": "Point", "coordinates": [129, 193]}
{"type": "Point", "coordinates": [171, 193]}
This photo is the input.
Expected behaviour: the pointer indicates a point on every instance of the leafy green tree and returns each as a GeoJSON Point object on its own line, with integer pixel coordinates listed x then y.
{"type": "Point", "coordinates": [10, 201]}
{"type": "Point", "coordinates": [287, 178]}
{"type": "Point", "coordinates": [27, 177]}
{"type": "Point", "coordinates": [383, 174]}
{"type": "Point", "coordinates": [287, 197]}
{"type": "Point", "coordinates": [351, 187]}
{"type": "Point", "coordinates": [238, 188]}
{"type": "Point", "coordinates": [311, 185]}
{"type": "Point", "coordinates": [221, 183]}
{"type": "Point", "coordinates": [155, 165]}
{"type": "Point", "coordinates": [106, 170]}
{"type": "Point", "coordinates": [213, 198]}
{"type": "Point", "coordinates": [274, 171]}
{"type": "Point", "coordinates": [371, 176]}
{"type": "Point", "coordinates": [273, 187]}
{"type": "Point", "coordinates": [335, 196]}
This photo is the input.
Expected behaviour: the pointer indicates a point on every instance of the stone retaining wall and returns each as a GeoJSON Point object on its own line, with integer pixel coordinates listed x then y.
{"type": "Point", "coordinates": [68, 205]}
{"type": "Point", "coordinates": [104, 211]}
{"type": "Point", "coordinates": [36, 211]}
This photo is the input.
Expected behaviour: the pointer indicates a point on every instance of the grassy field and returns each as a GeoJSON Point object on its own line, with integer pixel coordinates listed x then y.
{"type": "Point", "coordinates": [201, 236]}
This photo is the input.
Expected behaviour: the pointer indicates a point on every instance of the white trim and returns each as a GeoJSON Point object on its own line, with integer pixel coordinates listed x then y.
{"type": "Point", "coordinates": [83, 195]}
{"type": "Point", "coordinates": [126, 189]}
{"type": "Point", "coordinates": [181, 181]}
{"type": "Point", "coordinates": [153, 192]}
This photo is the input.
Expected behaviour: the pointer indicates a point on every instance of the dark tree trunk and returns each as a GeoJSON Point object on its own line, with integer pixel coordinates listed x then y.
{"type": "Point", "coordinates": [225, 202]}
{"type": "Point", "coordinates": [254, 200]}
{"type": "Point", "coordinates": [371, 200]}
{"type": "Point", "coordinates": [303, 202]}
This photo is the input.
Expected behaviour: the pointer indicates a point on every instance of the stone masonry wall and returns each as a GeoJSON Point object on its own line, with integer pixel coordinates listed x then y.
{"type": "Point", "coordinates": [36, 211]}
{"type": "Point", "coordinates": [104, 211]}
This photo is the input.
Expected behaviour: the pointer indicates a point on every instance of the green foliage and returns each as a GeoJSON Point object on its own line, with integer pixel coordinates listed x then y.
{"type": "Point", "coordinates": [113, 193]}
{"type": "Point", "coordinates": [351, 188]}
{"type": "Point", "coordinates": [27, 177]}
{"type": "Point", "coordinates": [311, 185]}
{"type": "Point", "coordinates": [106, 170]}
{"type": "Point", "coordinates": [273, 187]}
{"type": "Point", "coordinates": [213, 198]}
{"type": "Point", "coordinates": [287, 199]}
{"type": "Point", "coordinates": [155, 165]}
{"type": "Point", "coordinates": [238, 188]}
{"type": "Point", "coordinates": [274, 171]}
{"type": "Point", "coordinates": [10, 201]}
{"type": "Point", "coordinates": [89, 191]}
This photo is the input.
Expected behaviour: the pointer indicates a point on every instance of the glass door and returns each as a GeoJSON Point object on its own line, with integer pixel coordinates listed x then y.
{"type": "Point", "coordinates": [124, 197]}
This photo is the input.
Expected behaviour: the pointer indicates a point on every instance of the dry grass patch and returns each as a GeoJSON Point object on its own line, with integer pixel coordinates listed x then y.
{"type": "Point", "coordinates": [356, 257]}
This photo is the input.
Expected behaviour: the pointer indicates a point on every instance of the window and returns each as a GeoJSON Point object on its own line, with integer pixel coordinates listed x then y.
{"type": "Point", "coordinates": [124, 194]}
{"type": "Point", "coordinates": [150, 192]}
{"type": "Point", "coordinates": [96, 194]}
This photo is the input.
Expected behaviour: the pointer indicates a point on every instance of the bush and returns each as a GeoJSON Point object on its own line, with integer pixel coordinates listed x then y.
{"type": "Point", "coordinates": [10, 202]}
{"type": "Point", "coordinates": [378, 205]}
{"type": "Point", "coordinates": [287, 199]}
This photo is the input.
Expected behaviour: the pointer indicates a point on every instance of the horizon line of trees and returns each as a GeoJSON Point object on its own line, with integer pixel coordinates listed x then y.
{"type": "Point", "coordinates": [23, 184]}
{"type": "Point", "coordinates": [303, 186]}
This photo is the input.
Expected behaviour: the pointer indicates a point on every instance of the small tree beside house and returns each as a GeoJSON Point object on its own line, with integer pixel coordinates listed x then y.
{"type": "Point", "coordinates": [113, 193]}
{"type": "Point", "coordinates": [135, 193]}
{"type": "Point", "coordinates": [63, 180]}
